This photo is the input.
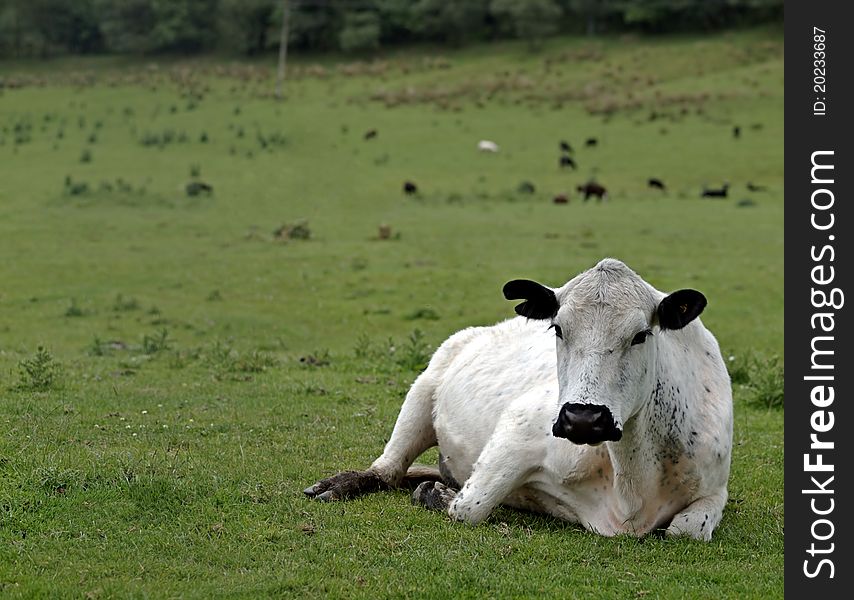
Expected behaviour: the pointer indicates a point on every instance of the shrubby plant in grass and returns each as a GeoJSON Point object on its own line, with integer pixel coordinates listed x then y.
{"type": "Point", "coordinates": [74, 309]}
{"type": "Point", "coordinates": [761, 377]}
{"type": "Point", "coordinates": [157, 342]}
{"type": "Point", "coordinates": [38, 373]}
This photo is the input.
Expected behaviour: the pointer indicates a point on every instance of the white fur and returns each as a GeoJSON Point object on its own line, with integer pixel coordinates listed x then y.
{"type": "Point", "coordinates": [490, 396]}
{"type": "Point", "coordinates": [487, 146]}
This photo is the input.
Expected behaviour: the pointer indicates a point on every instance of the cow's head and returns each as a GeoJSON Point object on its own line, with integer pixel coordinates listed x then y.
{"type": "Point", "coordinates": [605, 322]}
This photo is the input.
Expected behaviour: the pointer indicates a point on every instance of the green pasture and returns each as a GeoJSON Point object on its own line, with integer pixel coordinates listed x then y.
{"type": "Point", "coordinates": [199, 371]}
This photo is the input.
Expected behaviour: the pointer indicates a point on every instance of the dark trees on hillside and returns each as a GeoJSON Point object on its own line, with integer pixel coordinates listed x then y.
{"type": "Point", "coordinates": [45, 27]}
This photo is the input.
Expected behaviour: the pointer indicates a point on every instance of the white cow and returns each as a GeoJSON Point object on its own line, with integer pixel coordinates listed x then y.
{"type": "Point", "coordinates": [607, 403]}
{"type": "Point", "coordinates": [487, 146]}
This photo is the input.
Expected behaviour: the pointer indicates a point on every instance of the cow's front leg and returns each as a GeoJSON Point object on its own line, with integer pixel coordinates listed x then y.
{"type": "Point", "coordinates": [487, 487]}
{"type": "Point", "coordinates": [503, 466]}
{"type": "Point", "coordinates": [700, 518]}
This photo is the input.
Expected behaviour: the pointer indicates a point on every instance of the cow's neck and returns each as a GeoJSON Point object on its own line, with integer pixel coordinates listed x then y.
{"type": "Point", "coordinates": [631, 459]}
{"type": "Point", "coordinates": [652, 439]}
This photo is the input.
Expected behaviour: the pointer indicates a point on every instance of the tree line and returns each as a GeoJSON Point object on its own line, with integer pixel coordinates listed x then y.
{"type": "Point", "coordinates": [32, 28]}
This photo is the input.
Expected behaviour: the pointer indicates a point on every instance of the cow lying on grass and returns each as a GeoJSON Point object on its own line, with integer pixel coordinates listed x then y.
{"type": "Point", "coordinates": [606, 403]}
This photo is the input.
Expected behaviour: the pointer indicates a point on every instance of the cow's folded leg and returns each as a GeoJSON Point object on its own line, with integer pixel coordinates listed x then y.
{"type": "Point", "coordinates": [433, 495]}
{"type": "Point", "coordinates": [700, 518]}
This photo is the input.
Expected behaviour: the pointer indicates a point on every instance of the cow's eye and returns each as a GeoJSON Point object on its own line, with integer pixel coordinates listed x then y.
{"type": "Point", "coordinates": [558, 330]}
{"type": "Point", "coordinates": [640, 338]}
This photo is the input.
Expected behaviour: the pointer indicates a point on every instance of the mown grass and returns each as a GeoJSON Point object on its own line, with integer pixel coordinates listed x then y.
{"type": "Point", "coordinates": [203, 370]}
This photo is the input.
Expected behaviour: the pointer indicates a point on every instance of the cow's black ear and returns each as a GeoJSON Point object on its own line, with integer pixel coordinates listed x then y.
{"type": "Point", "coordinates": [680, 308]}
{"type": "Point", "coordinates": [540, 301]}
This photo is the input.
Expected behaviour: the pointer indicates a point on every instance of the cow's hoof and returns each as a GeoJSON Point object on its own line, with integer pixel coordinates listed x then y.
{"type": "Point", "coordinates": [695, 525]}
{"type": "Point", "coordinates": [433, 495]}
{"type": "Point", "coordinates": [348, 484]}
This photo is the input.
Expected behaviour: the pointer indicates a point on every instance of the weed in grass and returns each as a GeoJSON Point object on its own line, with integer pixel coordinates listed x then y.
{"type": "Point", "coordinates": [219, 353]}
{"type": "Point", "coordinates": [39, 373]}
{"type": "Point", "coordinates": [155, 343]}
{"type": "Point", "coordinates": [122, 304]}
{"type": "Point", "coordinates": [415, 353]}
{"type": "Point", "coordinates": [256, 361]}
{"type": "Point", "coordinates": [179, 359]}
{"type": "Point", "coordinates": [75, 188]}
{"type": "Point", "coordinates": [739, 368]}
{"type": "Point", "coordinates": [766, 383]}
{"type": "Point", "coordinates": [427, 314]}
{"type": "Point", "coordinates": [297, 230]}
{"type": "Point", "coordinates": [96, 348]}
{"type": "Point", "coordinates": [74, 309]}
{"type": "Point", "coordinates": [214, 296]}
{"type": "Point", "coordinates": [86, 156]}
{"type": "Point", "coordinates": [318, 358]}
{"type": "Point", "coordinates": [761, 377]}
{"type": "Point", "coordinates": [228, 363]}
{"type": "Point", "coordinates": [195, 170]}
{"type": "Point", "coordinates": [195, 188]}
{"type": "Point", "coordinates": [363, 348]}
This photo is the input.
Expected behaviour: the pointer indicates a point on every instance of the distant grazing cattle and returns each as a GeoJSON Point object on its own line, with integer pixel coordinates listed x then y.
{"type": "Point", "coordinates": [487, 146]}
{"type": "Point", "coordinates": [565, 147]}
{"type": "Point", "coordinates": [752, 187]}
{"type": "Point", "coordinates": [590, 142]}
{"type": "Point", "coordinates": [409, 188]}
{"type": "Point", "coordinates": [561, 199]}
{"type": "Point", "coordinates": [592, 188]}
{"type": "Point", "coordinates": [566, 161]}
{"type": "Point", "coordinates": [656, 183]}
{"type": "Point", "coordinates": [371, 134]}
{"type": "Point", "coordinates": [721, 192]}
{"type": "Point", "coordinates": [736, 132]}
{"type": "Point", "coordinates": [605, 403]}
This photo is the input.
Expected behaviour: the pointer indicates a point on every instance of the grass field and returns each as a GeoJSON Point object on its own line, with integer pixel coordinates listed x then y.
{"type": "Point", "coordinates": [198, 371]}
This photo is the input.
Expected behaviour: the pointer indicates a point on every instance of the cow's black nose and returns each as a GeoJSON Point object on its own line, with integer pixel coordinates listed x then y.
{"type": "Point", "coordinates": [586, 424]}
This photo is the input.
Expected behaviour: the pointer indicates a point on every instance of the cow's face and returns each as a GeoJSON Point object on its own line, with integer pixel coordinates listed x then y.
{"type": "Point", "coordinates": [605, 323]}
